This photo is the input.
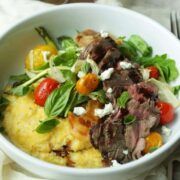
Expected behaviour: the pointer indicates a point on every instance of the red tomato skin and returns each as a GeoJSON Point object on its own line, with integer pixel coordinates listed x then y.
{"type": "Point", "coordinates": [166, 112]}
{"type": "Point", "coordinates": [154, 72]}
{"type": "Point", "coordinates": [43, 90]}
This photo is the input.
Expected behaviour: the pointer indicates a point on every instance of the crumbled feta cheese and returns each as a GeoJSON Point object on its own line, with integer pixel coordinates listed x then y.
{"type": "Point", "coordinates": [81, 74]}
{"type": "Point", "coordinates": [79, 111]}
{"type": "Point", "coordinates": [125, 152]}
{"type": "Point", "coordinates": [45, 55]}
{"type": "Point", "coordinates": [145, 73]}
{"type": "Point", "coordinates": [109, 90]}
{"type": "Point", "coordinates": [104, 34]}
{"type": "Point", "coordinates": [103, 112]}
{"type": "Point", "coordinates": [106, 74]}
{"type": "Point", "coordinates": [115, 163]}
{"type": "Point", "coordinates": [166, 131]}
{"type": "Point", "coordinates": [125, 65]}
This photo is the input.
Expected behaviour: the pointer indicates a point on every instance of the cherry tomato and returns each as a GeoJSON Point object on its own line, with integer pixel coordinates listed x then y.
{"type": "Point", "coordinates": [166, 111]}
{"type": "Point", "coordinates": [154, 72]}
{"type": "Point", "coordinates": [43, 90]}
{"type": "Point", "coordinates": [87, 84]}
{"type": "Point", "coordinates": [153, 141]}
{"type": "Point", "coordinates": [38, 56]}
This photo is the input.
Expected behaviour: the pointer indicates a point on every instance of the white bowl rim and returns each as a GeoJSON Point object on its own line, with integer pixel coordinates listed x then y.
{"type": "Point", "coordinates": [87, 171]}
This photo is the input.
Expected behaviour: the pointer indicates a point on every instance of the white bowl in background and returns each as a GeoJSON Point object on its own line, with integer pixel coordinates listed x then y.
{"type": "Point", "coordinates": [65, 20]}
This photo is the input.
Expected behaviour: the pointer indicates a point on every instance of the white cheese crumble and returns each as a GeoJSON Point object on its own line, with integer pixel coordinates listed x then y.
{"type": "Point", "coordinates": [106, 74]}
{"type": "Point", "coordinates": [125, 152]}
{"type": "Point", "coordinates": [145, 73]}
{"type": "Point", "coordinates": [79, 111]}
{"type": "Point", "coordinates": [166, 131]}
{"type": "Point", "coordinates": [45, 55]}
{"type": "Point", "coordinates": [104, 34]}
{"type": "Point", "coordinates": [81, 74]}
{"type": "Point", "coordinates": [115, 163]}
{"type": "Point", "coordinates": [109, 90]}
{"type": "Point", "coordinates": [125, 65]}
{"type": "Point", "coordinates": [108, 108]}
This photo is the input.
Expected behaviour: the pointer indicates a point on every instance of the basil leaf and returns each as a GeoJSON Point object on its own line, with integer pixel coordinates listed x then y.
{"type": "Point", "coordinates": [85, 67]}
{"type": "Point", "coordinates": [66, 42]}
{"type": "Point", "coordinates": [20, 90]}
{"type": "Point", "coordinates": [141, 45]}
{"type": "Point", "coordinates": [47, 125]}
{"type": "Point", "coordinates": [80, 99]}
{"type": "Point", "coordinates": [66, 58]}
{"type": "Point", "coordinates": [129, 119]}
{"type": "Point", "coordinates": [57, 100]}
{"type": "Point", "coordinates": [71, 103]}
{"type": "Point", "coordinates": [69, 76]}
{"type": "Point", "coordinates": [123, 99]}
{"type": "Point", "coordinates": [99, 95]}
{"type": "Point", "coordinates": [17, 80]}
{"type": "Point", "coordinates": [167, 67]}
{"type": "Point", "coordinates": [2, 129]}
{"type": "Point", "coordinates": [176, 89]}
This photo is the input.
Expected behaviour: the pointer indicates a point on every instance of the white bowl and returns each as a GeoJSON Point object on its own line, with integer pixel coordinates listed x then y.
{"type": "Point", "coordinates": [65, 20]}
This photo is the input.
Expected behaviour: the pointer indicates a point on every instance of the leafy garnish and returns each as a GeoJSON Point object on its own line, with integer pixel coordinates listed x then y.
{"type": "Point", "coordinates": [167, 67]}
{"type": "Point", "coordinates": [176, 89]}
{"type": "Point", "coordinates": [66, 42]}
{"type": "Point", "coordinates": [129, 119]}
{"type": "Point", "coordinates": [47, 125]}
{"type": "Point", "coordinates": [123, 99]}
{"type": "Point", "coordinates": [80, 99]}
{"type": "Point", "coordinates": [2, 129]}
{"type": "Point", "coordinates": [69, 75]}
{"type": "Point", "coordinates": [140, 45]}
{"type": "Point", "coordinates": [85, 67]}
{"type": "Point", "coordinates": [17, 80]}
{"type": "Point", "coordinates": [20, 90]}
{"type": "Point", "coordinates": [66, 57]}
{"type": "Point", "coordinates": [99, 95]}
{"type": "Point", "coordinates": [57, 100]}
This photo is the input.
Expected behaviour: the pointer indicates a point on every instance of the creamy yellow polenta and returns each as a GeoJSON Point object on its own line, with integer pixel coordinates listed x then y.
{"type": "Point", "coordinates": [22, 117]}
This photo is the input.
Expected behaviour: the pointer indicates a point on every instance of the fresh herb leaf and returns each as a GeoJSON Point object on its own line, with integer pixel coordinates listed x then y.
{"type": "Point", "coordinates": [176, 89]}
{"type": "Point", "coordinates": [129, 119]}
{"type": "Point", "coordinates": [58, 99]}
{"type": "Point", "coordinates": [20, 90]}
{"type": "Point", "coordinates": [85, 67]}
{"type": "Point", "coordinates": [80, 99]}
{"type": "Point", "coordinates": [152, 149]}
{"type": "Point", "coordinates": [3, 104]}
{"type": "Point", "coordinates": [140, 45]}
{"type": "Point", "coordinates": [66, 42]}
{"type": "Point", "coordinates": [123, 99]}
{"type": "Point", "coordinates": [69, 75]}
{"type": "Point", "coordinates": [99, 95]}
{"type": "Point", "coordinates": [47, 125]}
{"type": "Point", "coordinates": [66, 57]}
{"type": "Point", "coordinates": [17, 80]}
{"type": "Point", "coordinates": [167, 67]}
{"type": "Point", "coordinates": [71, 103]}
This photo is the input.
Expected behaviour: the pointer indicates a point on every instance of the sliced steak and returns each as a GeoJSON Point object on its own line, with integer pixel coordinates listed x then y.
{"type": "Point", "coordinates": [121, 79]}
{"type": "Point", "coordinates": [97, 49]}
{"type": "Point", "coordinates": [110, 59]}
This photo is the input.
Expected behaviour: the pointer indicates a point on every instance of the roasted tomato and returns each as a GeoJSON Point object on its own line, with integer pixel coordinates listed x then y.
{"type": "Point", "coordinates": [43, 90]}
{"type": "Point", "coordinates": [39, 56]}
{"type": "Point", "coordinates": [153, 142]}
{"type": "Point", "coordinates": [154, 72]}
{"type": "Point", "coordinates": [166, 111]}
{"type": "Point", "coordinates": [87, 84]}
